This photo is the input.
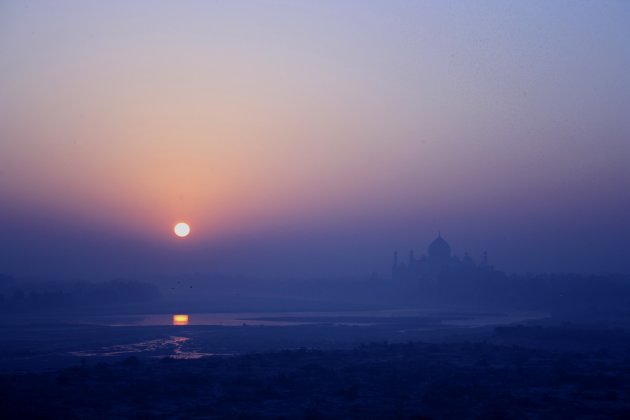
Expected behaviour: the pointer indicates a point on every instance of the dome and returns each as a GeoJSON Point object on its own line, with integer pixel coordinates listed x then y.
{"type": "Point", "coordinates": [439, 249]}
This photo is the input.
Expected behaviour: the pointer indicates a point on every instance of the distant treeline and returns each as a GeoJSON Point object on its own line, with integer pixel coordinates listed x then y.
{"type": "Point", "coordinates": [544, 291]}
{"type": "Point", "coordinates": [489, 289]}
{"type": "Point", "coordinates": [32, 296]}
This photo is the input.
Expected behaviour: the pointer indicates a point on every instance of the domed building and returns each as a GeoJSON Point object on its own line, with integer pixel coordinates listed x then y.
{"type": "Point", "coordinates": [439, 249]}
{"type": "Point", "coordinates": [438, 259]}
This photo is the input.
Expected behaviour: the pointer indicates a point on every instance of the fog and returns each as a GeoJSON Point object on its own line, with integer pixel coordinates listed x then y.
{"type": "Point", "coordinates": [56, 246]}
{"type": "Point", "coordinates": [396, 209]}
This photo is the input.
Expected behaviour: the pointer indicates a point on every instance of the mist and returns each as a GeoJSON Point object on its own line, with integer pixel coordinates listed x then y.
{"type": "Point", "coordinates": [313, 210]}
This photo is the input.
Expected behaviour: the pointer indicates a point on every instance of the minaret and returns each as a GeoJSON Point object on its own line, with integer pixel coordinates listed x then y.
{"type": "Point", "coordinates": [485, 257]}
{"type": "Point", "coordinates": [395, 258]}
{"type": "Point", "coordinates": [410, 256]}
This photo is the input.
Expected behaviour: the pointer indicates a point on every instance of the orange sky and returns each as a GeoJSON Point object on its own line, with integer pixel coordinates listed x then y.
{"type": "Point", "coordinates": [254, 117]}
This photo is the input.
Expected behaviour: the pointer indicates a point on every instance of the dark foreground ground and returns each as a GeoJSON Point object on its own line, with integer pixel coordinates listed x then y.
{"type": "Point", "coordinates": [575, 373]}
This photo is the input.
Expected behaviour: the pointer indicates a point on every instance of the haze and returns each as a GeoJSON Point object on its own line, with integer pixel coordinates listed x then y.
{"type": "Point", "coordinates": [304, 139]}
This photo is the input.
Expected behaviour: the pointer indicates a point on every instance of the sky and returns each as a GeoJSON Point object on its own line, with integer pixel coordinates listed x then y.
{"type": "Point", "coordinates": [312, 138]}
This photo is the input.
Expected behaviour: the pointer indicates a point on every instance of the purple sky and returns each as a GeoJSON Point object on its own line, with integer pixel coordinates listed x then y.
{"type": "Point", "coordinates": [312, 138]}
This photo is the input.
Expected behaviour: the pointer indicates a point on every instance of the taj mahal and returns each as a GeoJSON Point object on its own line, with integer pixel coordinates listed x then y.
{"type": "Point", "coordinates": [438, 261]}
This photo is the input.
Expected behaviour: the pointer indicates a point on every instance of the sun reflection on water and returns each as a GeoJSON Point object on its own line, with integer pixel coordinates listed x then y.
{"type": "Point", "coordinates": [180, 319]}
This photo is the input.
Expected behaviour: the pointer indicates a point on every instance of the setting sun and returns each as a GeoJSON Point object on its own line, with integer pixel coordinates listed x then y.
{"type": "Point", "coordinates": [182, 230]}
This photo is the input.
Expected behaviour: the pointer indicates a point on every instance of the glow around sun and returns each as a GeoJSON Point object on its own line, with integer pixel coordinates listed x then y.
{"type": "Point", "coordinates": [182, 229]}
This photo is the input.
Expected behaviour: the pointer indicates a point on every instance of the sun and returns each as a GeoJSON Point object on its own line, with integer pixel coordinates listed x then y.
{"type": "Point", "coordinates": [182, 229]}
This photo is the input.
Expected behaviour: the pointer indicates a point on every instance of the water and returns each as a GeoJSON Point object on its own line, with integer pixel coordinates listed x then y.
{"type": "Point", "coordinates": [34, 343]}
{"type": "Point", "coordinates": [172, 346]}
{"type": "Point", "coordinates": [351, 318]}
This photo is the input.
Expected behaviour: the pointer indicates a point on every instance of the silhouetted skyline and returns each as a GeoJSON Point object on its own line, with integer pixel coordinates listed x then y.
{"type": "Point", "coordinates": [314, 209]}
{"type": "Point", "coordinates": [305, 139]}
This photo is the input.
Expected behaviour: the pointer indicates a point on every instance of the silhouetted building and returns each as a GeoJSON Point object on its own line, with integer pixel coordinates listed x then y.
{"type": "Point", "coordinates": [438, 261]}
